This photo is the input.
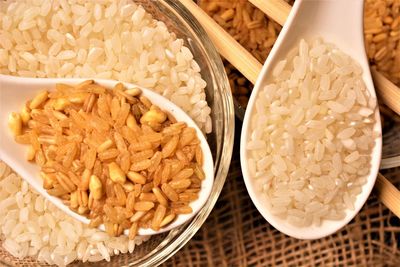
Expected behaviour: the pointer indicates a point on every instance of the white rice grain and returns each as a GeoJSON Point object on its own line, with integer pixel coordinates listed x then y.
{"type": "Point", "coordinates": [310, 142]}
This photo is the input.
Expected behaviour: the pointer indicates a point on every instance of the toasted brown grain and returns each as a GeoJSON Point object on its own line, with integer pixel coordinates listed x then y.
{"type": "Point", "coordinates": [89, 141]}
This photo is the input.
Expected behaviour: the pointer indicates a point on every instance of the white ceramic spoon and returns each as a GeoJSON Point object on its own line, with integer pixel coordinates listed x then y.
{"type": "Point", "coordinates": [15, 91]}
{"type": "Point", "coordinates": [339, 22]}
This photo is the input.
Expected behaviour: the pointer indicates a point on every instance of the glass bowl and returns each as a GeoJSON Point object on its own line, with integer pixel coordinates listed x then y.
{"type": "Point", "coordinates": [161, 247]}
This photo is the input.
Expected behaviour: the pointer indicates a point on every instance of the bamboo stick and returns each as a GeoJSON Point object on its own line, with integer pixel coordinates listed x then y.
{"type": "Point", "coordinates": [277, 10]}
{"type": "Point", "coordinates": [388, 194]}
{"type": "Point", "coordinates": [226, 44]}
{"type": "Point", "coordinates": [391, 95]}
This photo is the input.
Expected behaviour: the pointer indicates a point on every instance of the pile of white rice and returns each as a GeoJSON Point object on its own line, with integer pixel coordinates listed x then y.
{"type": "Point", "coordinates": [312, 135]}
{"type": "Point", "coordinates": [109, 39]}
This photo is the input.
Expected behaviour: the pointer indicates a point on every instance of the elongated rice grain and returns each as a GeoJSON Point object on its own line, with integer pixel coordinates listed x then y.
{"type": "Point", "coordinates": [311, 143]}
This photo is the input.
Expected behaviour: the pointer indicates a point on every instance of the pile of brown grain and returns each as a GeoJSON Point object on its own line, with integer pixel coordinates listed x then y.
{"type": "Point", "coordinates": [251, 28]}
{"type": "Point", "coordinates": [111, 155]}
{"type": "Point", "coordinates": [382, 35]}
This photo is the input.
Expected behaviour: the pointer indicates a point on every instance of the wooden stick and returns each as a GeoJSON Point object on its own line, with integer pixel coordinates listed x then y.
{"type": "Point", "coordinates": [388, 194]}
{"type": "Point", "coordinates": [277, 10]}
{"type": "Point", "coordinates": [391, 95]}
{"type": "Point", "coordinates": [226, 44]}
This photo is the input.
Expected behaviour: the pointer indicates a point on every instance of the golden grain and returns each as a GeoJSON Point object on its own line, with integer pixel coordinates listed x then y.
{"type": "Point", "coordinates": [15, 123]}
{"type": "Point", "coordinates": [95, 222]}
{"type": "Point", "coordinates": [199, 172]}
{"type": "Point", "coordinates": [159, 215]}
{"type": "Point", "coordinates": [147, 187]}
{"type": "Point", "coordinates": [133, 231]}
{"type": "Point", "coordinates": [90, 158]}
{"type": "Point", "coordinates": [108, 154]}
{"type": "Point", "coordinates": [153, 116]}
{"type": "Point", "coordinates": [136, 177]}
{"type": "Point", "coordinates": [48, 180]}
{"type": "Point", "coordinates": [116, 174]}
{"type": "Point", "coordinates": [23, 139]}
{"type": "Point", "coordinates": [104, 146]}
{"type": "Point", "coordinates": [140, 146]}
{"type": "Point", "coordinates": [128, 186]}
{"type": "Point", "coordinates": [130, 201]}
{"type": "Point", "coordinates": [180, 184]}
{"type": "Point", "coordinates": [137, 189]}
{"type": "Point", "coordinates": [74, 178]}
{"type": "Point", "coordinates": [120, 194]}
{"type": "Point", "coordinates": [60, 104]}
{"type": "Point", "coordinates": [161, 198]}
{"type": "Point", "coordinates": [170, 147]}
{"type": "Point", "coordinates": [83, 198]}
{"type": "Point", "coordinates": [65, 182]}
{"type": "Point", "coordinates": [137, 216]}
{"type": "Point", "coordinates": [84, 184]}
{"type": "Point", "coordinates": [74, 200]}
{"type": "Point", "coordinates": [147, 217]}
{"type": "Point", "coordinates": [165, 174]}
{"type": "Point", "coordinates": [57, 191]}
{"type": "Point", "coordinates": [187, 197]}
{"type": "Point", "coordinates": [143, 205]}
{"type": "Point", "coordinates": [141, 165]}
{"type": "Point", "coordinates": [148, 197]}
{"type": "Point", "coordinates": [25, 115]}
{"type": "Point", "coordinates": [30, 155]}
{"type": "Point", "coordinates": [133, 91]}
{"type": "Point", "coordinates": [109, 186]}
{"type": "Point", "coordinates": [183, 174]}
{"type": "Point", "coordinates": [167, 219]}
{"type": "Point", "coordinates": [183, 210]}
{"type": "Point", "coordinates": [95, 187]}
{"type": "Point", "coordinates": [170, 192]}
{"type": "Point", "coordinates": [142, 155]}
{"type": "Point", "coordinates": [88, 141]}
{"type": "Point", "coordinates": [38, 99]}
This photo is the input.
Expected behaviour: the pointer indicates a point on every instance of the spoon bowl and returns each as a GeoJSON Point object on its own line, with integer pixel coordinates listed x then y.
{"type": "Point", "coordinates": [339, 22]}
{"type": "Point", "coordinates": [15, 91]}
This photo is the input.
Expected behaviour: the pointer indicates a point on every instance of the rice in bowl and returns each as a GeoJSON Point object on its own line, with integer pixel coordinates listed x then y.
{"type": "Point", "coordinates": [105, 39]}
